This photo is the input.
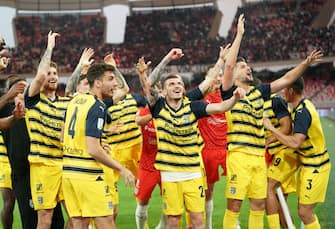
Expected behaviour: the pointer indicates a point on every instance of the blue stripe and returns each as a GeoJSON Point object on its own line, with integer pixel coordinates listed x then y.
{"type": "Point", "coordinates": [76, 169]}
{"type": "Point", "coordinates": [178, 164]}
{"type": "Point", "coordinates": [248, 144]}
{"type": "Point", "coordinates": [46, 156]}
{"type": "Point", "coordinates": [195, 154]}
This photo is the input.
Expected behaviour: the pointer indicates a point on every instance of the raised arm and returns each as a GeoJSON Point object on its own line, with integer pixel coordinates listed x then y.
{"type": "Point", "coordinates": [174, 54]}
{"type": "Point", "coordinates": [205, 85]}
{"type": "Point", "coordinates": [292, 75]}
{"type": "Point", "coordinates": [44, 66]}
{"type": "Point", "coordinates": [227, 80]}
{"type": "Point", "coordinates": [150, 90]}
{"type": "Point", "coordinates": [141, 69]}
{"type": "Point", "coordinates": [84, 63]}
{"type": "Point", "coordinates": [123, 87]}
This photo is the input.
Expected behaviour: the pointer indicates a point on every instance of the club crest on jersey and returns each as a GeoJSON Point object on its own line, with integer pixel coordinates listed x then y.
{"type": "Point", "coordinates": [232, 190]}
{"type": "Point", "coordinates": [110, 205]}
{"type": "Point", "coordinates": [40, 200]}
{"type": "Point", "coordinates": [186, 118]}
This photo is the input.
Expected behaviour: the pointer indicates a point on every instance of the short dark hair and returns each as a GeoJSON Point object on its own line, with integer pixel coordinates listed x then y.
{"type": "Point", "coordinates": [170, 76]}
{"type": "Point", "coordinates": [13, 79]}
{"type": "Point", "coordinates": [298, 85]}
{"type": "Point", "coordinates": [53, 65]}
{"type": "Point", "coordinates": [241, 59]}
{"type": "Point", "coordinates": [97, 71]}
{"type": "Point", "coordinates": [82, 76]}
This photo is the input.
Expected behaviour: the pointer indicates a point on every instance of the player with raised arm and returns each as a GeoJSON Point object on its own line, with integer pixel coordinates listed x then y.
{"type": "Point", "coordinates": [246, 141]}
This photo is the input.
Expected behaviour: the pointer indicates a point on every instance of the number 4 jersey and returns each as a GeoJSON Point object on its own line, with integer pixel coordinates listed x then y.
{"type": "Point", "coordinates": [85, 117]}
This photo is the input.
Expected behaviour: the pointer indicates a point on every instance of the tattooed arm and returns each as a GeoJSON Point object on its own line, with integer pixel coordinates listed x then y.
{"type": "Point", "coordinates": [84, 63]}
{"type": "Point", "coordinates": [174, 54]}
{"type": "Point", "coordinates": [123, 87]}
{"type": "Point", "coordinates": [43, 67]}
{"type": "Point", "coordinates": [150, 90]}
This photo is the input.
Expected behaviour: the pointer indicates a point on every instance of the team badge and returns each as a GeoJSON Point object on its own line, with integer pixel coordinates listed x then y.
{"type": "Point", "coordinates": [110, 205]}
{"type": "Point", "coordinates": [232, 190]}
{"type": "Point", "coordinates": [40, 200]}
{"type": "Point", "coordinates": [186, 118]}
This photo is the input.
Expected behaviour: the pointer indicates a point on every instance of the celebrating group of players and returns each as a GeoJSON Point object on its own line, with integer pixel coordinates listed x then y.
{"type": "Point", "coordinates": [79, 145]}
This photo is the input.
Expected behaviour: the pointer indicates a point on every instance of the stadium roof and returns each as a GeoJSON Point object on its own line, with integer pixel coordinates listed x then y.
{"type": "Point", "coordinates": [60, 5]}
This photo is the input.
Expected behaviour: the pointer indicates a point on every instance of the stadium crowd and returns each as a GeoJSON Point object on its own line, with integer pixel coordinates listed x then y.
{"type": "Point", "coordinates": [277, 30]}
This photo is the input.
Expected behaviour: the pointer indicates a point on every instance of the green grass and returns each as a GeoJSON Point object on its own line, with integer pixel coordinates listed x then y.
{"type": "Point", "coordinates": [126, 218]}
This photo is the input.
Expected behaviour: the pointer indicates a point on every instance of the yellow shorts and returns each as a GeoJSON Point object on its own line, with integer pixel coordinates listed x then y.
{"type": "Point", "coordinates": [5, 175]}
{"type": "Point", "coordinates": [46, 185]}
{"type": "Point", "coordinates": [283, 169]}
{"type": "Point", "coordinates": [111, 181]}
{"type": "Point", "coordinates": [246, 176]}
{"type": "Point", "coordinates": [313, 183]}
{"type": "Point", "coordinates": [85, 198]}
{"type": "Point", "coordinates": [128, 157]}
{"type": "Point", "coordinates": [189, 193]}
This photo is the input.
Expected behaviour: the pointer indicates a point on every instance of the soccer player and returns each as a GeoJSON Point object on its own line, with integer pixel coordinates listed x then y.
{"type": "Point", "coordinates": [5, 169]}
{"type": "Point", "coordinates": [144, 186]}
{"type": "Point", "coordinates": [178, 157]}
{"type": "Point", "coordinates": [18, 147]}
{"type": "Point", "coordinates": [85, 189]}
{"type": "Point", "coordinates": [213, 130]}
{"type": "Point", "coordinates": [148, 177]}
{"type": "Point", "coordinates": [44, 117]}
{"type": "Point", "coordinates": [284, 164]}
{"type": "Point", "coordinates": [246, 141]}
{"type": "Point", "coordinates": [309, 143]}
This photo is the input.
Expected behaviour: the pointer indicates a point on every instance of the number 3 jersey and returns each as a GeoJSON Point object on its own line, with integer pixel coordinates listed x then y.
{"type": "Point", "coordinates": [85, 116]}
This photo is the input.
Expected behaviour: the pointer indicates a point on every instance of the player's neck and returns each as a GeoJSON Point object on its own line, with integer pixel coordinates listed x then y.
{"type": "Point", "coordinates": [96, 93]}
{"type": "Point", "coordinates": [174, 103]}
{"type": "Point", "coordinates": [297, 99]}
{"type": "Point", "coordinates": [243, 85]}
{"type": "Point", "coordinates": [51, 94]}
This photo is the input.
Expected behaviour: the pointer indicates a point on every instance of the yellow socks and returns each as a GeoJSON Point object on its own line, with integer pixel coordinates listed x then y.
{"type": "Point", "coordinates": [273, 221]}
{"type": "Point", "coordinates": [230, 219]}
{"type": "Point", "coordinates": [314, 225]}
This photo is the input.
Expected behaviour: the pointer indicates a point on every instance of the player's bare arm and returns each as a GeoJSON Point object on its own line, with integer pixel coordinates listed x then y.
{"type": "Point", "coordinates": [84, 62]}
{"type": "Point", "coordinates": [44, 66]}
{"type": "Point", "coordinates": [293, 141]}
{"type": "Point", "coordinates": [292, 75]}
{"type": "Point", "coordinates": [174, 54]}
{"type": "Point", "coordinates": [227, 80]}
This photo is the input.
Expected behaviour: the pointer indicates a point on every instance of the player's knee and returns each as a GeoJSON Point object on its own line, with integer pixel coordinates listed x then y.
{"type": "Point", "coordinates": [45, 217]}
{"type": "Point", "coordinates": [197, 222]}
{"type": "Point", "coordinates": [173, 221]}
